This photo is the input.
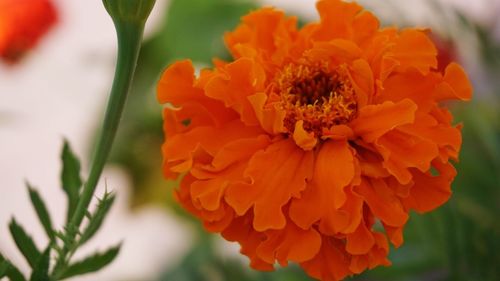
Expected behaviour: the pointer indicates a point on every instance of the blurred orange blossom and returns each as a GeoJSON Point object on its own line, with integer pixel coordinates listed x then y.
{"type": "Point", "coordinates": [22, 24]}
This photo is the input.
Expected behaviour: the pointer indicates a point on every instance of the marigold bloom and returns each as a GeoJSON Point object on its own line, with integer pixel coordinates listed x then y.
{"type": "Point", "coordinates": [22, 23]}
{"type": "Point", "coordinates": [311, 136]}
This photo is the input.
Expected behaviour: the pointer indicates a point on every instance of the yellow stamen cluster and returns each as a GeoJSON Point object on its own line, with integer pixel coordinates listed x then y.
{"type": "Point", "coordinates": [319, 96]}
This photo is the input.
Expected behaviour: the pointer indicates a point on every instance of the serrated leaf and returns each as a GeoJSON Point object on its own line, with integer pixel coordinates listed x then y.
{"type": "Point", "coordinates": [41, 211]}
{"type": "Point", "coordinates": [41, 270]}
{"type": "Point", "coordinates": [91, 264]}
{"type": "Point", "coordinates": [9, 270]}
{"type": "Point", "coordinates": [96, 219]}
{"type": "Point", "coordinates": [25, 243]}
{"type": "Point", "coordinates": [70, 178]}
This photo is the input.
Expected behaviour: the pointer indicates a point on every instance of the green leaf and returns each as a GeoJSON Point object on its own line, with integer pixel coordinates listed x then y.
{"type": "Point", "coordinates": [4, 266]}
{"type": "Point", "coordinates": [14, 274]}
{"type": "Point", "coordinates": [70, 177]}
{"type": "Point", "coordinates": [41, 211]}
{"type": "Point", "coordinates": [91, 264]}
{"type": "Point", "coordinates": [41, 270]}
{"type": "Point", "coordinates": [96, 219]}
{"type": "Point", "coordinates": [25, 243]}
{"type": "Point", "coordinates": [9, 270]}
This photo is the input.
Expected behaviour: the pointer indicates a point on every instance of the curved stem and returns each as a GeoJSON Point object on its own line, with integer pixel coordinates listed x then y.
{"type": "Point", "coordinates": [129, 43]}
{"type": "Point", "coordinates": [129, 40]}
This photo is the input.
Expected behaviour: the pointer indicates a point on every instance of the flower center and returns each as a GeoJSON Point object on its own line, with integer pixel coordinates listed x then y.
{"type": "Point", "coordinates": [318, 96]}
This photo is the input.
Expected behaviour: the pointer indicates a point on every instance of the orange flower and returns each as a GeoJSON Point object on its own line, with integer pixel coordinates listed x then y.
{"type": "Point", "coordinates": [22, 23]}
{"type": "Point", "coordinates": [312, 136]}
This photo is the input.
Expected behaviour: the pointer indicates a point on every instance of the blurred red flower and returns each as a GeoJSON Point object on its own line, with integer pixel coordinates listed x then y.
{"type": "Point", "coordinates": [22, 24]}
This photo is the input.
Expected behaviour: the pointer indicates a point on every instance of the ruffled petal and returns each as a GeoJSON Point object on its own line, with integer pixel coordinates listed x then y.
{"type": "Point", "coordinates": [176, 84]}
{"type": "Point", "coordinates": [383, 202]}
{"type": "Point", "coordinates": [336, 51]}
{"type": "Point", "coordinates": [336, 19]}
{"type": "Point", "coordinates": [429, 192]}
{"type": "Point", "coordinates": [241, 231]}
{"type": "Point", "coordinates": [338, 132]}
{"type": "Point", "coordinates": [227, 167]}
{"type": "Point", "coordinates": [334, 169]}
{"type": "Point", "coordinates": [305, 140]}
{"type": "Point", "coordinates": [282, 245]}
{"type": "Point", "coordinates": [414, 49]}
{"type": "Point", "coordinates": [402, 151]}
{"type": "Point", "coordinates": [214, 221]}
{"type": "Point", "coordinates": [395, 235]}
{"type": "Point", "coordinates": [363, 82]}
{"type": "Point", "coordinates": [360, 241]}
{"type": "Point", "coordinates": [447, 138]}
{"type": "Point", "coordinates": [180, 149]}
{"type": "Point", "coordinates": [270, 117]}
{"type": "Point", "coordinates": [337, 209]}
{"type": "Point", "coordinates": [455, 84]}
{"type": "Point", "coordinates": [396, 89]}
{"type": "Point", "coordinates": [275, 175]}
{"type": "Point", "coordinates": [234, 83]}
{"type": "Point", "coordinates": [376, 120]}
{"type": "Point", "coordinates": [331, 263]}
{"type": "Point", "coordinates": [266, 34]}
{"type": "Point", "coordinates": [375, 257]}
{"type": "Point", "coordinates": [238, 150]}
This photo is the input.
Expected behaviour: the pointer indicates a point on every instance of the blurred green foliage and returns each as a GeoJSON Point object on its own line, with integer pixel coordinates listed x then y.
{"type": "Point", "coordinates": [459, 241]}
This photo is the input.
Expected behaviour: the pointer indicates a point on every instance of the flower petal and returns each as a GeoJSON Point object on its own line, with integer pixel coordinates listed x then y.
{"type": "Point", "coordinates": [207, 192]}
{"type": "Point", "coordinates": [395, 235]}
{"type": "Point", "coordinates": [382, 202]}
{"type": "Point", "coordinates": [334, 169]}
{"type": "Point", "coordinates": [414, 49]}
{"type": "Point", "coordinates": [238, 150]}
{"type": "Point", "coordinates": [275, 175]}
{"type": "Point", "coordinates": [332, 221]}
{"type": "Point", "coordinates": [241, 231]}
{"type": "Point", "coordinates": [234, 83]}
{"type": "Point", "coordinates": [176, 84]}
{"type": "Point", "coordinates": [336, 19]}
{"type": "Point", "coordinates": [282, 245]}
{"type": "Point", "coordinates": [331, 263]}
{"type": "Point", "coordinates": [214, 221]}
{"type": "Point", "coordinates": [376, 120]}
{"type": "Point", "coordinates": [456, 84]}
{"type": "Point", "coordinates": [337, 51]}
{"type": "Point", "coordinates": [396, 89]}
{"type": "Point", "coordinates": [362, 80]}
{"type": "Point", "coordinates": [338, 132]}
{"type": "Point", "coordinates": [266, 33]}
{"type": "Point", "coordinates": [304, 139]}
{"type": "Point", "coordinates": [337, 210]}
{"type": "Point", "coordinates": [402, 151]}
{"type": "Point", "coordinates": [227, 167]}
{"type": "Point", "coordinates": [430, 192]}
{"type": "Point", "coordinates": [270, 117]}
{"type": "Point", "coordinates": [360, 241]}
{"type": "Point", "coordinates": [180, 149]}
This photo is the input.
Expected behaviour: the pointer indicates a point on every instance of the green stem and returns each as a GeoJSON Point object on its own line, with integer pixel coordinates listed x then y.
{"type": "Point", "coordinates": [129, 40]}
{"type": "Point", "coordinates": [129, 44]}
